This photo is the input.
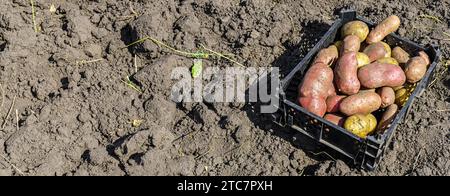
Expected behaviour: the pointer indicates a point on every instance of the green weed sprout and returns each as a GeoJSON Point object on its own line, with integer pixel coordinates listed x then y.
{"type": "Point", "coordinates": [197, 55]}
{"type": "Point", "coordinates": [131, 84]}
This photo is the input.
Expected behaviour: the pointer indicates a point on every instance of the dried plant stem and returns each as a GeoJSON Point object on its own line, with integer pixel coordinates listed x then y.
{"type": "Point", "coordinates": [17, 120]}
{"type": "Point", "coordinates": [12, 165]}
{"type": "Point", "coordinates": [436, 19]}
{"type": "Point", "coordinates": [88, 62]}
{"type": "Point", "coordinates": [33, 16]}
{"type": "Point", "coordinates": [9, 112]}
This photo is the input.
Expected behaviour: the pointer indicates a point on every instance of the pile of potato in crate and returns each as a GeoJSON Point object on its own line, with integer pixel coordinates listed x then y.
{"type": "Point", "coordinates": [359, 76]}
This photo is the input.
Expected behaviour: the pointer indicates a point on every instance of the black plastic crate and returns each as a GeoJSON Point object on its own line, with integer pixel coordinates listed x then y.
{"type": "Point", "coordinates": [365, 153]}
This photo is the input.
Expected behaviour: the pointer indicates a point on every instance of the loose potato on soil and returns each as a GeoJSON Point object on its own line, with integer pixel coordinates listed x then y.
{"type": "Point", "coordinates": [376, 51]}
{"type": "Point", "coordinates": [387, 117]}
{"type": "Point", "coordinates": [388, 60]}
{"type": "Point", "coordinates": [315, 105]}
{"type": "Point", "coordinates": [415, 69]}
{"type": "Point", "coordinates": [387, 95]}
{"type": "Point", "coordinates": [357, 28]}
{"type": "Point", "coordinates": [386, 27]}
{"type": "Point", "coordinates": [378, 75]}
{"type": "Point", "coordinates": [346, 77]}
{"type": "Point", "coordinates": [361, 103]}
{"type": "Point", "coordinates": [358, 124]}
{"type": "Point", "coordinates": [335, 119]}
{"type": "Point", "coordinates": [400, 55]}
{"type": "Point", "coordinates": [363, 59]}
{"type": "Point", "coordinates": [351, 44]}
{"type": "Point", "coordinates": [327, 56]}
{"type": "Point", "coordinates": [333, 103]}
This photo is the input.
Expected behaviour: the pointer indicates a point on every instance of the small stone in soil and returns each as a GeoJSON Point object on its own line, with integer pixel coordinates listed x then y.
{"type": "Point", "coordinates": [93, 50]}
{"type": "Point", "coordinates": [242, 133]}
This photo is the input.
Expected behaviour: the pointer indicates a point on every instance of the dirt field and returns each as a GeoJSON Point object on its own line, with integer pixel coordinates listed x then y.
{"type": "Point", "coordinates": [70, 112]}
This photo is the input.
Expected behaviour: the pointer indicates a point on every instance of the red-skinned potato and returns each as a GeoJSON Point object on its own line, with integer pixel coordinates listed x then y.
{"type": "Point", "coordinates": [327, 56]}
{"type": "Point", "coordinates": [333, 103]}
{"type": "Point", "coordinates": [317, 81]}
{"type": "Point", "coordinates": [361, 103]}
{"type": "Point", "coordinates": [315, 88]}
{"type": "Point", "coordinates": [315, 105]}
{"type": "Point", "coordinates": [378, 75]}
{"type": "Point", "coordinates": [335, 119]}
{"type": "Point", "coordinates": [387, 95]}
{"type": "Point", "coordinates": [351, 44]}
{"type": "Point", "coordinates": [346, 77]}
{"type": "Point", "coordinates": [375, 51]}
{"type": "Point", "coordinates": [331, 90]}
{"type": "Point", "coordinates": [386, 27]}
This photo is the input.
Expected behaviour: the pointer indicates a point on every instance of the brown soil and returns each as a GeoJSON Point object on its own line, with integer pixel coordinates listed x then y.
{"type": "Point", "coordinates": [74, 118]}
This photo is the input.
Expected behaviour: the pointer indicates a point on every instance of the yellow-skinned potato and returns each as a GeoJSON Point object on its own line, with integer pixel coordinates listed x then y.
{"type": "Point", "coordinates": [357, 28]}
{"type": "Point", "coordinates": [388, 60]}
{"type": "Point", "coordinates": [401, 97]}
{"type": "Point", "coordinates": [398, 88]}
{"type": "Point", "coordinates": [387, 48]}
{"type": "Point", "coordinates": [415, 69]}
{"type": "Point", "coordinates": [400, 55]}
{"type": "Point", "coordinates": [386, 27]}
{"type": "Point", "coordinates": [372, 123]}
{"type": "Point", "coordinates": [363, 59]}
{"type": "Point", "coordinates": [425, 57]}
{"type": "Point", "coordinates": [358, 124]}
